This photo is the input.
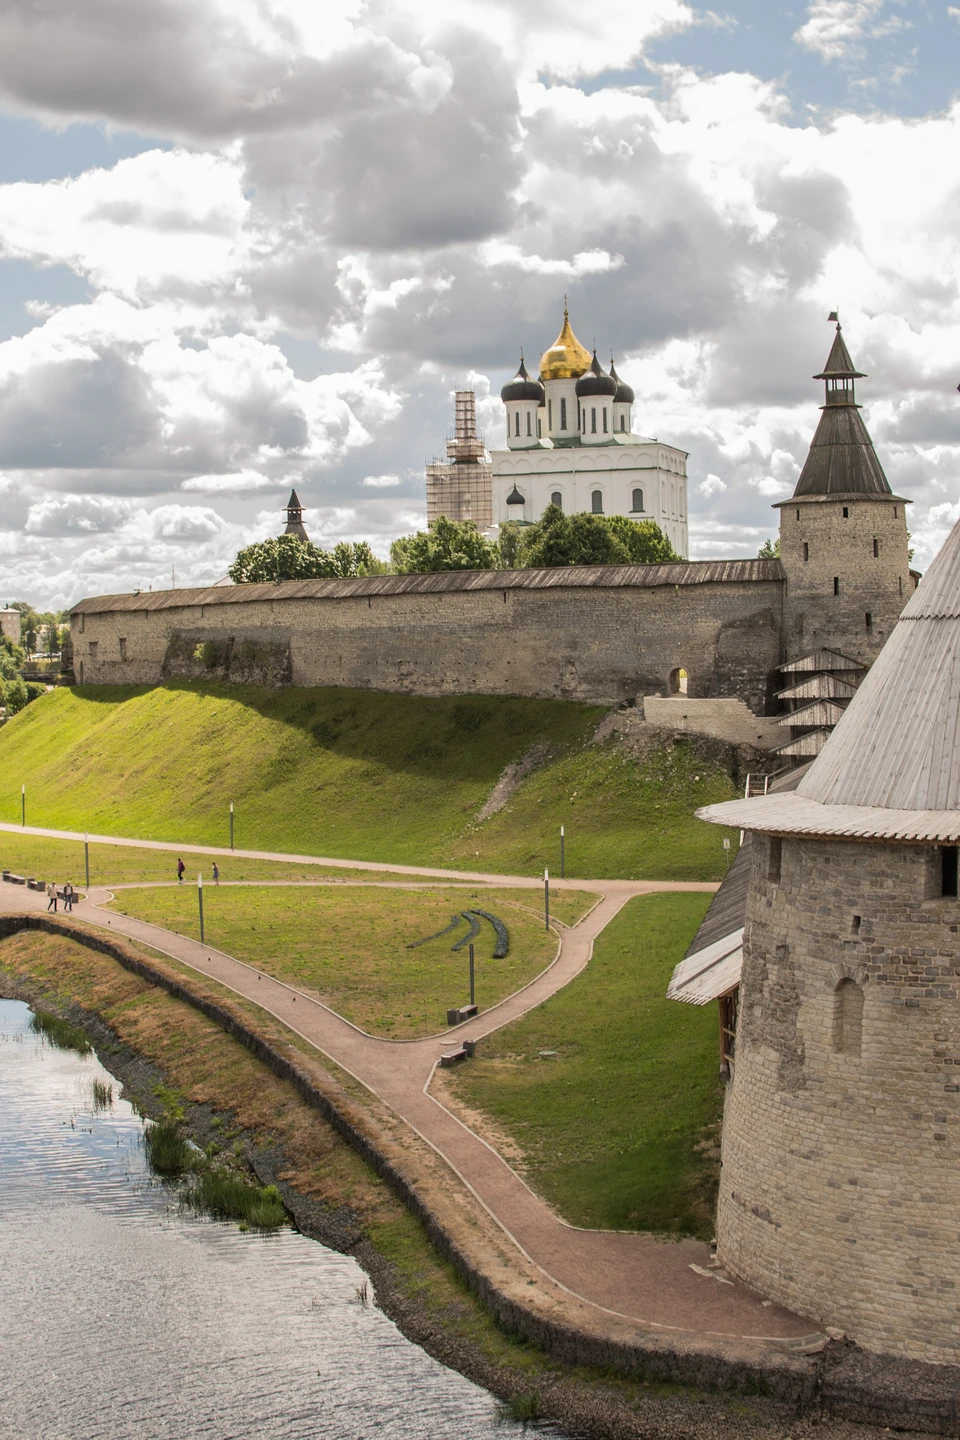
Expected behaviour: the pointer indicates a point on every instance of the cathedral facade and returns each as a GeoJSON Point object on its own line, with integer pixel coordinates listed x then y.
{"type": "Point", "coordinates": [570, 442]}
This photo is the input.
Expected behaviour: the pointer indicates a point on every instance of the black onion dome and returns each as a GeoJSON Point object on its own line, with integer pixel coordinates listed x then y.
{"type": "Point", "coordinates": [515, 498]}
{"type": "Point", "coordinates": [521, 387]}
{"type": "Point", "coordinates": [595, 382]}
{"type": "Point", "coordinates": [624, 395]}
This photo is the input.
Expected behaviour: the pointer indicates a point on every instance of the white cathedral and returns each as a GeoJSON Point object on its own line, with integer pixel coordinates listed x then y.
{"type": "Point", "coordinates": [570, 443]}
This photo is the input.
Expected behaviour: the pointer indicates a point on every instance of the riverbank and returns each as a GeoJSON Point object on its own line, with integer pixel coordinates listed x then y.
{"type": "Point", "coordinates": [175, 1055]}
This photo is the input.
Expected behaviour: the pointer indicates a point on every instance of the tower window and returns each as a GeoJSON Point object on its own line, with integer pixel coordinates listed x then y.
{"type": "Point", "coordinates": [948, 870]}
{"type": "Point", "coordinates": [539, 428]}
{"type": "Point", "coordinates": [529, 418]}
{"type": "Point", "coordinates": [848, 1018]}
{"type": "Point", "coordinates": [869, 620]}
{"type": "Point", "coordinates": [92, 647]}
{"type": "Point", "coordinates": [798, 514]}
{"type": "Point", "coordinates": [605, 420]}
{"type": "Point", "coordinates": [876, 547]}
{"type": "Point", "coordinates": [516, 428]}
{"type": "Point", "coordinates": [596, 502]}
{"type": "Point", "coordinates": [593, 420]}
{"type": "Point", "coordinates": [774, 860]}
{"type": "Point", "coordinates": [836, 584]}
{"type": "Point", "coordinates": [637, 500]}
{"type": "Point", "coordinates": [623, 424]}
{"type": "Point", "coordinates": [549, 414]}
{"type": "Point", "coordinates": [900, 584]}
{"type": "Point", "coordinates": [557, 499]}
{"type": "Point", "coordinates": [846, 512]}
{"type": "Point", "coordinates": [806, 551]}
{"type": "Point", "coordinates": [894, 512]}
{"type": "Point", "coordinates": [563, 413]}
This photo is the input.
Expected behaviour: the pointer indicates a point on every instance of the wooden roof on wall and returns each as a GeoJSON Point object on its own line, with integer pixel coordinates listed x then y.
{"type": "Point", "coordinates": [440, 582]}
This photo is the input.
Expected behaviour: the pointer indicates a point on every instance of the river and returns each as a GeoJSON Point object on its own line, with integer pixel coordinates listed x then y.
{"type": "Point", "coordinates": [121, 1316]}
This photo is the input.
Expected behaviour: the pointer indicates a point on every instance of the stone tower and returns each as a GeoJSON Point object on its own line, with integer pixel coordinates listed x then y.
{"type": "Point", "coordinates": [841, 1139]}
{"type": "Point", "coordinates": [843, 536]}
{"type": "Point", "coordinates": [295, 525]}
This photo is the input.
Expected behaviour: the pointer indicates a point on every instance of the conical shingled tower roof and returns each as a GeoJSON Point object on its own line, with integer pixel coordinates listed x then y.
{"type": "Point", "coordinates": [294, 525]}
{"type": "Point", "coordinates": [891, 768]}
{"type": "Point", "coordinates": [841, 459]}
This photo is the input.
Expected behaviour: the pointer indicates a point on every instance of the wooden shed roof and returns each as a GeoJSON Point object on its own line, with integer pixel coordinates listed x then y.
{"type": "Point", "coordinates": [569, 577]}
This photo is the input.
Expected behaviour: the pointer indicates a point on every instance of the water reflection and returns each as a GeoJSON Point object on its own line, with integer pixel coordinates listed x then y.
{"type": "Point", "coordinates": [121, 1316]}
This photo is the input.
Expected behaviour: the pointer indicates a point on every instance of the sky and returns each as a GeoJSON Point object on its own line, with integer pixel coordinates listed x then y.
{"type": "Point", "coordinates": [247, 245]}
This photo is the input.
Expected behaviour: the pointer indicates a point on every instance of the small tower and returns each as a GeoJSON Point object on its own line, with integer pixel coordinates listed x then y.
{"type": "Point", "coordinates": [294, 525]}
{"type": "Point", "coordinates": [843, 536]}
{"type": "Point", "coordinates": [523, 398]}
{"type": "Point", "coordinates": [460, 486]}
{"type": "Point", "coordinates": [841, 1136]}
{"type": "Point", "coordinates": [622, 403]}
{"type": "Point", "coordinates": [596, 393]}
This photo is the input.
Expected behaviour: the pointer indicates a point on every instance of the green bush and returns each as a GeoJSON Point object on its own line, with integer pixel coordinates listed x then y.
{"type": "Point", "coordinates": [17, 698]}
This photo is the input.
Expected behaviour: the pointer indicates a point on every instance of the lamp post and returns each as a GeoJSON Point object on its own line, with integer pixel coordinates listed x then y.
{"type": "Point", "coordinates": [562, 866]}
{"type": "Point", "coordinates": [200, 902]}
{"type": "Point", "coordinates": [86, 858]}
{"type": "Point", "coordinates": [546, 899]}
{"type": "Point", "coordinates": [231, 824]}
{"type": "Point", "coordinates": [23, 805]}
{"type": "Point", "coordinates": [472, 996]}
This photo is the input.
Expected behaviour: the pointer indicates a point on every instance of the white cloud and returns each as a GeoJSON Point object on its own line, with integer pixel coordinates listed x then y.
{"type": "Point", "coordinates": [834, 28]}
{"type": "Point", "coordinates": [243, 482]}
{"type": "Point", "coordinates": [380, 482]}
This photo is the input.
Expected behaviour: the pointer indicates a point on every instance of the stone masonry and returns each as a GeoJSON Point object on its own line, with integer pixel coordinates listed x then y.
{"type": "Point", "coordinates": [841, 1138]}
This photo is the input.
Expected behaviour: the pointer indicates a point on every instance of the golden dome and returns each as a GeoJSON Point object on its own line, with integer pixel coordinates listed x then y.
{"type": "Point", "coordinates": [566, 359]}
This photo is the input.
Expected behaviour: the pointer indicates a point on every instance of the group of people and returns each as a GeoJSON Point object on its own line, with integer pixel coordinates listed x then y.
{"type": "Point", "coordinates": [68, 893]}
{"type": "Point", "coordinates": [181, 868]}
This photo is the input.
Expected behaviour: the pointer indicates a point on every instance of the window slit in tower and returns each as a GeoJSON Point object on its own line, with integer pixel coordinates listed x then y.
{"type": "Point", "coordinates": [948, 870]}
{"type": "Point", "coordinates": [775, 860]}
{"type": "Point", "coordinates": [806, 551]}
{"type": "Point", "coordinates": [900, 583]}
{"type": "Point", "coordinates": [868, 617]}
{"type": "Point", "coordinates": [836, 584]}
{"type": "Point", "coordinates": [876, 548]}
{"type": "Point", "coordinates": [846, 513]}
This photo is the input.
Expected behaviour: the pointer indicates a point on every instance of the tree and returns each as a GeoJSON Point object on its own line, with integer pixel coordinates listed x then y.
{"type": "Point", "coordinates": [584, 539]}
{"type": "Point", "coordinates": [11, 658]}
{"type": "Point", "coordinates": [16, 695]}
{"type": "Point", "coordinates": [509, 543]}
{"type": "Point", "coordinates": [286, 557]}
{"type": "Point", "coordinates": [444, 545]}
{"type": "Point", "coordinates": [769, 550]}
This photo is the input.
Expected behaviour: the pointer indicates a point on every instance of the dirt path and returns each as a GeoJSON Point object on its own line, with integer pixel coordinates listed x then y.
{"type": "Point", "coordinates": [639, 1277]}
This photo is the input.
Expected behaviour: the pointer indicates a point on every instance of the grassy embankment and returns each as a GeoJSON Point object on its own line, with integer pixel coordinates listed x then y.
{"type": "Point", "coordinates": [348, 946]}
{"type": "Point", "coordinates": [617, 1128]}
{"type": "Point", "coordinates": [361, 774]}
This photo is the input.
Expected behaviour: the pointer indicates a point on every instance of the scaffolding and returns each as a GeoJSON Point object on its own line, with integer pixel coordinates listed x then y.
{"type": "Point", "coordinates": [461, 486]}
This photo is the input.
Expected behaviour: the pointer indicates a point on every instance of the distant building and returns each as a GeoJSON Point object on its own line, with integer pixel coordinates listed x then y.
{"type": "Point", "coordinates": [460, 487]}
{"type": "Point", "coordinates": [570, 443]}
{"type": "Point", "coordinates": [10, 625]}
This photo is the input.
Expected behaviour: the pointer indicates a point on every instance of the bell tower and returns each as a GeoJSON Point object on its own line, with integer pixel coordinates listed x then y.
{"type": "Point", "coordinates": [843, 535]}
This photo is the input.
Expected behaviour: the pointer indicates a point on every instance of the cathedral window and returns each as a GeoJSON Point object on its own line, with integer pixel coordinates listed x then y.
{"type": "Point", "coordinates": [596, 502]}
{"type": "Point", "coordinates": [623, 424]}
{"type": "Point", "coordinates": [528, 422]}
{"type": "Point", "coordinates": [605, 420]}
{"type": "Point", "coordinates": [549, 414]}
{"type": "Point", "coordinates": [516, 427]}
{"type": "Point", "coordinates": [593, 420]}
{"type": "Point", "coordinates": [637, 500]}
{"type": "Point", "coordinates": [557, 499]}
{"type": "Point", "coordinates": [563, 412]}
{"type": "Point", "coordinates": [539, 431]}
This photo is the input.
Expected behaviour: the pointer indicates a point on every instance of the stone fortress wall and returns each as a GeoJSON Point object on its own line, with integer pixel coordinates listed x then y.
{"type": "Point", "coordinates": [847, 1085]}
{"type": "Point", "coordinates": [601, 635]}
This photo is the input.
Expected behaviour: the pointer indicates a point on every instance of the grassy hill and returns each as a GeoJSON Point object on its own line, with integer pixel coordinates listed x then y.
{"type": "Point", "coordinates": [361, 774]}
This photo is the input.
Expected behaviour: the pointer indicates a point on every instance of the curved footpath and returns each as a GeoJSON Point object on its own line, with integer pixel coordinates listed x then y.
{"type": "Point", "coordinates": [640, 1278]}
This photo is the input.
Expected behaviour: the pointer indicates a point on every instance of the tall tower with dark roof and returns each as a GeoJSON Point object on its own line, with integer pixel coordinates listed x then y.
{"type": "Point", "coordinates": [843, 535]}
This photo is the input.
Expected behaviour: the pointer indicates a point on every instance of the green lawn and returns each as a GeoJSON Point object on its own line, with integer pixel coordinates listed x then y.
{"type": "Point", "coordinates": [360, 774]}
{"type": "Point", "coordinates": [349, 945]}
{"type": "Point", "coordinates": [61, 860]}
{"type": "Point", "coordinates": [609, 1127]}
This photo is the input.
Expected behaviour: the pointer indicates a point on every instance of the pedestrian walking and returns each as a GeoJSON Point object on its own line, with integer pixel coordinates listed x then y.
{"type": "Point", "coordinates": [216, 873]}
{"type": "Point", "coordinates": [180, 869]}
{"type": "Point", "coordinates": [68, 897]}
{"type": "Point", "coordinates": [52, 898]}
